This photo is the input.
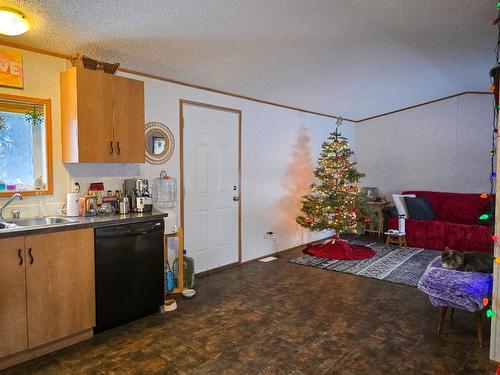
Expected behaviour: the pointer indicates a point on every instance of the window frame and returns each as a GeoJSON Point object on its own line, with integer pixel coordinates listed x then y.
{"type": "Point", "coordinates": [48, 143]}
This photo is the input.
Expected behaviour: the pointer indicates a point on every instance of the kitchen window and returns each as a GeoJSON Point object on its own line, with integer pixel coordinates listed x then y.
{"type": "Point", "coordinates": [25, 145]}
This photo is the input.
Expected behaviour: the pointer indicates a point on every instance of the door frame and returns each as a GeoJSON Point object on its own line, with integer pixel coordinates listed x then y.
{"type": "Point", "coordinates": [183, 102]}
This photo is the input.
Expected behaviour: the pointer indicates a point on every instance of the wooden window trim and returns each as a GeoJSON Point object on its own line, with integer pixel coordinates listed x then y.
{"type": "Point", "coordinates": [48, 144]}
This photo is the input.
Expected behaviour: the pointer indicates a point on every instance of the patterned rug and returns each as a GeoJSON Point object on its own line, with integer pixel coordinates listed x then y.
{"type": "Point", "coordinates": [397, 265]}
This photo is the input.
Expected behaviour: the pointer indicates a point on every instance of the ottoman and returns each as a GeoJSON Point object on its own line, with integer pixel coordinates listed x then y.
{"type": "Point", "coordinates": [456, 289]}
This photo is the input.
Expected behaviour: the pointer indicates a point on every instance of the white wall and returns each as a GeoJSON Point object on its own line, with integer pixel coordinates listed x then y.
{"type": "Point", "coordinates": [443, 146]}
{"type": "Point", "coordinates": [279, 151]}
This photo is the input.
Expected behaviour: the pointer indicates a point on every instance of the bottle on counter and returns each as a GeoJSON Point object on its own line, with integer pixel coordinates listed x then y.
{"type": "Point", "coordinates": [188, 267]}
{"type": "Point", "coordinates": [40, 204]}
{"type": "Point", "coordinates": [169, 278]}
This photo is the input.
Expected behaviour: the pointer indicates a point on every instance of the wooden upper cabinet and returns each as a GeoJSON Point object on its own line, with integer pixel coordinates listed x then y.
{"type": "Point", "coordinates": [102, 118]}
{"type": "Point", "coordinates": [13, 322]}
{"type": "Point", "coordinates": [129, 109]}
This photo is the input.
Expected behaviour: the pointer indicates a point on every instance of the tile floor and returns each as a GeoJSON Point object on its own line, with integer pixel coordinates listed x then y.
{"type": "Point", "coordinates": [282, 318]}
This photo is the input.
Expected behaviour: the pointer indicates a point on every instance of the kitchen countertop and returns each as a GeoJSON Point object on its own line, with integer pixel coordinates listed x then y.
{"type": "Point", "coordinates": [81, 222]}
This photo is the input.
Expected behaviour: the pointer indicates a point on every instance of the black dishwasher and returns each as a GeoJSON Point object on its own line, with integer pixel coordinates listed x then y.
{"type": "Point", "coordinates": [128, 272]}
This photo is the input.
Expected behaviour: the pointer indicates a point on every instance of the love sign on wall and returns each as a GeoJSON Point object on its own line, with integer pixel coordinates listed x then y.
{"type": "Point", "coordinates": [11, 68]}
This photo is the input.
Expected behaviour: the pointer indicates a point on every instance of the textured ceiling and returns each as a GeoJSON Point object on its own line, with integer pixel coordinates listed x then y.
{"type": "Point", "coordinates": [349, 57]}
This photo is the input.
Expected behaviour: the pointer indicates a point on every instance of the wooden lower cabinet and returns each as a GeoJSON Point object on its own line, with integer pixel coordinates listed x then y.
{"type": "Point", "coordinates": [13, 332]}
{"type": "Point", "coordinates": [60, 284]}
{"type": "Point", "coordinates": [47, 298]}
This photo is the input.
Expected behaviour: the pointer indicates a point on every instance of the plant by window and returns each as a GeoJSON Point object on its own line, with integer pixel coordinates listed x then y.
{"type": "Point", "coordinates": [34, 117]}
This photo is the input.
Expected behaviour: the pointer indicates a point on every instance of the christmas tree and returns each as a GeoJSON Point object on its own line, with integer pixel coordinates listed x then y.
{"type": "Point", "coordinates": [335, 201]}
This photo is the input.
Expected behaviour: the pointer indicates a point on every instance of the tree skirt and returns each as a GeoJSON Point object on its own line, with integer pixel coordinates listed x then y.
{"type": "Point", "coordinates": [340, 250]}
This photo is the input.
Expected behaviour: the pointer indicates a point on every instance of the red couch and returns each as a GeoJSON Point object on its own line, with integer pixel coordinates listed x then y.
{"type": "Point", "coordinates": [454, 225]}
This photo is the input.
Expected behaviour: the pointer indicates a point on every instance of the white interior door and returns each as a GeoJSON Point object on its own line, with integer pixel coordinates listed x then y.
{"type": "Point", "coordinates": [211, 191]}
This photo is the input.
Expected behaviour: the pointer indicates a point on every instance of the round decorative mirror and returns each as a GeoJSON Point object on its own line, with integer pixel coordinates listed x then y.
{"type": "Point", "coordinates": [159, 143]}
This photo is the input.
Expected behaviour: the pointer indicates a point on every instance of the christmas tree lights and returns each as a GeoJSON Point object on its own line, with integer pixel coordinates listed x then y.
{"type": "Point", "coordinates": [335, 201]}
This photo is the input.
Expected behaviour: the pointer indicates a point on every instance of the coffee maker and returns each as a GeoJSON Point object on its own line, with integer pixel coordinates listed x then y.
{"type": "Point", "coordinates": [137, 190]}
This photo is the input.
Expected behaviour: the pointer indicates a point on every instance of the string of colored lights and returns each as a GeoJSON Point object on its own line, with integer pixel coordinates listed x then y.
{"type": "Point", "coordinates": [494, 76]}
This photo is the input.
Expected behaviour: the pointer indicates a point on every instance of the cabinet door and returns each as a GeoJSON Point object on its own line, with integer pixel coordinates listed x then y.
{"type": "Point", "coordinates": [95, 117]}
{"type": "Point", "coordinates": [129, 120]}
{"type": "Point", "coordinates": [13, 324]}
{"type": "Point", "coordinates": [60, 284]}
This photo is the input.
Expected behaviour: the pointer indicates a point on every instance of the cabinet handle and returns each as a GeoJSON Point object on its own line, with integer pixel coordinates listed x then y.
{"type": "Point", "coordinates": [31, 256]}
{"type": "Point", "coordinates": [118, 147]}
{"type": "Point", "coordinates": [19, 254]}
{"type": "Point", "coordinates": [111, 144]}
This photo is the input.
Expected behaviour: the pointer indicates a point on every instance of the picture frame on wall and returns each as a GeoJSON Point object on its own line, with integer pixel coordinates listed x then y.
{"type": "Point", "coordinates": [158, 145]}
{"type": "Point", "coordinates": [11, 68]}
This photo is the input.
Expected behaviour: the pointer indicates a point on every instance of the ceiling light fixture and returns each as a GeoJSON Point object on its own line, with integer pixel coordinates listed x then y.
{"type": "Point", "coordinates": [13, 22]}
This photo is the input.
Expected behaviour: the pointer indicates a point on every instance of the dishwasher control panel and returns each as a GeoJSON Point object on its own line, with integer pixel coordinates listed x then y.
{"type": "Point", "coordinates": [131, 229]}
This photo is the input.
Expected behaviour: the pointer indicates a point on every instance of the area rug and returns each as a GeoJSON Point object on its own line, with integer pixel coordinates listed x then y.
{"type": "Point", "coordinates": [397, 265]}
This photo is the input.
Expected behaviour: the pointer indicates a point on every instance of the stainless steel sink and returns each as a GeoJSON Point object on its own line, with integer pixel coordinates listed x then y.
{"type": "Point", "coordinates": [43, 221]}
{"type": "Point", "coordinates": [4, 225]}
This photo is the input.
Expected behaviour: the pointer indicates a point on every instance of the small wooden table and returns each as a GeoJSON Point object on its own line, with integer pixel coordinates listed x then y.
{"type": "Point", "coordinates": [396, 239]}
{"type": "Point", "coordinates": [378, 226]}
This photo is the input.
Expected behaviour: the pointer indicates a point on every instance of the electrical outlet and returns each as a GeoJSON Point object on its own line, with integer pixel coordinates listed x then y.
{"type": "Point", "coordinates": [270, 234]}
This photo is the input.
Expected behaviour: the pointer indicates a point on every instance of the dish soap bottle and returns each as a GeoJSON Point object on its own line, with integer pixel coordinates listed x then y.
{"type": "Point", "coordinates": [169, 278]}
{"type": "Point", "coordinates": [188, 268]}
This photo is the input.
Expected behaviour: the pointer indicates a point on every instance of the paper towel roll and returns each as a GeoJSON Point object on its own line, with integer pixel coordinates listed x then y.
{"type": "Point", "coordinates": [72, 208]}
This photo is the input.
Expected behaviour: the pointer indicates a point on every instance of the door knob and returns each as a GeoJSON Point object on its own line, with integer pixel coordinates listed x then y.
{"type": "Point", "coordinates": [236, 198]}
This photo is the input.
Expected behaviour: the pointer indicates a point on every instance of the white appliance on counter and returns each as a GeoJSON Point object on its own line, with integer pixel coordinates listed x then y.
{"type": "Point", "coordinates": [72, 208]}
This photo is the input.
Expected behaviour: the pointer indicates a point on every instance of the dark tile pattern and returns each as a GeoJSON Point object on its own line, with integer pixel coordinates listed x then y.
{"type": "Point", "coordinates": [282, 318]}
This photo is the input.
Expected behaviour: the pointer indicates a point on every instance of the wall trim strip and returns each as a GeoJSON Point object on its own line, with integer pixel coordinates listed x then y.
{"type": "Point", "coordinates": [425, 103]}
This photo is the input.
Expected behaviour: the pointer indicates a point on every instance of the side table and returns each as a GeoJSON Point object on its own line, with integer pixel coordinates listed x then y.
{"type": "Point", "coordinates": [378, 226]}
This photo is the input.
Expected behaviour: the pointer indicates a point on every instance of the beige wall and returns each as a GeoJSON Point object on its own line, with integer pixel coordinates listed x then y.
{"type": "Point", "coordinates": [41, 80]}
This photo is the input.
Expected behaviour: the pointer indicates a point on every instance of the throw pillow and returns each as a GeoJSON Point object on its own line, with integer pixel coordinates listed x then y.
{"type": "Point", "coordinates": [399, 202]}
{"type": "Point", "coordinates": [390, 211]}
{"type": "Point", "coordinates": [419, 208]}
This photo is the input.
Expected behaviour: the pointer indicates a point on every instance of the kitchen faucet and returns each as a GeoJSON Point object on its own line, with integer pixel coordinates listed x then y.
{"type": "Point", "coordinates": [17, 195]}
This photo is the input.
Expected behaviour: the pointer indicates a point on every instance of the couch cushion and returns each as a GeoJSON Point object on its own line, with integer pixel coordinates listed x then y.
{"type": "Point", "coordinates": [455, 207]}
{"type": "Point", "coordinates": [421, 233]}
{"type": "Point", "coordinates": [419, 208]}
{"type": "Point", "coordinates": [466, 237]}
{"type": "Point", "coordinates": [428, 234]}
